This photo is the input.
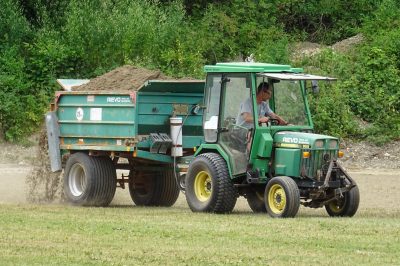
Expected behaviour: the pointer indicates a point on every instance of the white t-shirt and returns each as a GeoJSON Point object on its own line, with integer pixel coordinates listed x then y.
{"type": "Point", "coordinates": [246, 107]}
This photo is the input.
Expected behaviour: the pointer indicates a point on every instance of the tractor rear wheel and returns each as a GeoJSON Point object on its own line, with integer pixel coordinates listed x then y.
{"type": "Point", "coordinates": [346, 206]}
{"type": "Point", "coordinates": [255, 199]}
{"type": "Point", "coordinates": [208, 185]}
{"type": "Point", "coordinates": [282, 197]}
{"type": "Point", "coordinates": [89, 181]}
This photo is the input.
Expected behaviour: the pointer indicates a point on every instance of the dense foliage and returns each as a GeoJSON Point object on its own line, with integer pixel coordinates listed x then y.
{"type": "Point", "coordinates": [43, 40]}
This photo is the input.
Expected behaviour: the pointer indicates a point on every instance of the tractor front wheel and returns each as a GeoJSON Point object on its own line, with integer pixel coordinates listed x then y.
{"type": "Point", "coordinates": [208, 185]}
{"type": "Point", "coordinates": [346, 206]}
{"type": "Point", "coordinates": [282, 197]}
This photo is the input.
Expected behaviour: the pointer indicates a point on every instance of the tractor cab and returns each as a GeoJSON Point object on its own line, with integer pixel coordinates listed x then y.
{"type": "Point", "coordinates": [230, 95]}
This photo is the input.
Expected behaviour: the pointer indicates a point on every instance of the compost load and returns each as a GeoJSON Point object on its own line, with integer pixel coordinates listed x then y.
{"type": "Point", "coordinates": [45, 186]}
{"type": "Point", "coordinates": [125, 78]}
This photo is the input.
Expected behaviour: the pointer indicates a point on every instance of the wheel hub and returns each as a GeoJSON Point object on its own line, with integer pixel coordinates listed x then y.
{"type": "Point", "coordinates": [77, 180]}
{"type": "Point", "coordinates": [203, 186]}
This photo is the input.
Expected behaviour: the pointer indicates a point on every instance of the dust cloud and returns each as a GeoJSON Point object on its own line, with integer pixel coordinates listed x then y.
{"type": "Point", "coordinates": [43, 186]}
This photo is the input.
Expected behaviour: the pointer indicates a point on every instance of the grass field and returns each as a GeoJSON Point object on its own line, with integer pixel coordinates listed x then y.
{"type": "Point", "coordinates": [127, 235]}
{"type": "Point", "coordinates": [56, 234]}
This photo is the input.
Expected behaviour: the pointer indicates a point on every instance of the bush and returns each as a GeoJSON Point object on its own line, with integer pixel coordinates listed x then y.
{"type": "Point", "coordinates": [48, 58]}
{"type": "Point", "coordinates": [331, 113]}
{"type": "Point", "coordinates": [109, 34]}
{"type": "Point", "coordinates": [14, 28]}
{"type": "Point", "coordinates": [20, 110]}
{"type": "Point", "coordinates": [374, 94]}
{"type": "Point", "coordinates": [330, 107]}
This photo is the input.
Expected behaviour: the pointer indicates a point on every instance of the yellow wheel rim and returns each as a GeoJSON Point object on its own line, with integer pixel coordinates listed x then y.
{"type": "Point", "coordinates": [202, 186]}
{"type": "Point", "coordinates": [336, 206]}
{"type": "Point", "coordinates": [277, 199]}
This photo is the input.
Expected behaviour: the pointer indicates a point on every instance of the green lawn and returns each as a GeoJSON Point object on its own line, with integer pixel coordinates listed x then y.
{"type": "Point", "coordinates": [56, 234]}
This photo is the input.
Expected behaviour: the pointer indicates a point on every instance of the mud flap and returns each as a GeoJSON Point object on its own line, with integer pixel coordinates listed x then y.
{"type": "Point", "coordinates": [53, 139]}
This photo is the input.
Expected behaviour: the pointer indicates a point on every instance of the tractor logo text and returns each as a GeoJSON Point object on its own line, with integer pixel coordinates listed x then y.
{"type": "Point", "coordinates": [295, 140]}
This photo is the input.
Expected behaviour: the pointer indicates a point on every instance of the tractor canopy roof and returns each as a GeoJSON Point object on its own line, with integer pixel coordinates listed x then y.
{"type": "Point", "coordinates": [250, 67]}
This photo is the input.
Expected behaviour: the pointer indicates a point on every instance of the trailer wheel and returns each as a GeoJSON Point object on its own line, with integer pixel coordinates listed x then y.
{"type": "Point", "coordinates": [208, 185]}
{"type": "Point", "coordinates": [255, 199]}
{"type": "Point", "coordinates": [89, 181]}
{"type": "Point", "coordinates": [142, 187]}
{"type": "Point", "coordinates": [282, 197]}
{"type": "Point", "coordinates": [169, 189]}
{"type": "Point", "coordinates": [148, 188]}
{"type": "Point", "coordinates": [346, 206]}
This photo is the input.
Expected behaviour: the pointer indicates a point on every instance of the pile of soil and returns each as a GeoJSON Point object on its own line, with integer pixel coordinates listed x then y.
{"type": "Point", "coordinates": [125, 78]}
{"type": "Point", "coordinates": [348, 44]}
{"type": "Point", "coordinates": [309, 49]}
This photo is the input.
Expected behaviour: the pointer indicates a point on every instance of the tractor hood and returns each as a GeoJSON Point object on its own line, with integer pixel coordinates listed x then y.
{"type": "Point", "coordinates": [289, 139]}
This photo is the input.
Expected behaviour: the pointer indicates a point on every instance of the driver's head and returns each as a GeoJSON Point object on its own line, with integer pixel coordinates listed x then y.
{"type": "Point", "coordinates": [264, 91]}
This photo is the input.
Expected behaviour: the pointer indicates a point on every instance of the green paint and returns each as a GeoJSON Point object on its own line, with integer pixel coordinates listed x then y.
{"type": "Point", "coordinates": [265, 145]}
{"type": "Point", "coordinates": [287, 162]}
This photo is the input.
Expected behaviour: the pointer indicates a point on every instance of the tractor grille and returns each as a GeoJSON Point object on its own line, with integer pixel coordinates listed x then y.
{"type": "Point", "coordinates": [317, 165]}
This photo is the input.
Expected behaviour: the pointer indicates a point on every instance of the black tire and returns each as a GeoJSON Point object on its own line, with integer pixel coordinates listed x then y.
{"type": "Point", "coordinates": [89, 181]}
{"type": "Point", "coordinates": [255, 199]}
{"type": "Point", "coordinates": [208, 185]}
{"type": "Point", "coordinates": [282, 197]}
{"type": "Point", "coordinates": [346, 206]}
{"type": "Point", "coordinates": [142, 187]}
{"type": "Point", "coordinates": [169, 190]}
{"type": "Point", "coordinates": [150, 188]}
{"type": "Point", "coordinates": [106, 188]}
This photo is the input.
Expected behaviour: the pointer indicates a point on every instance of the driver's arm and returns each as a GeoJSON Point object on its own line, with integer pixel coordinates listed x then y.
{"type": "Point", "coordinates": [277, 117]}
{"type": "Point", "coordinates": [248, 117]}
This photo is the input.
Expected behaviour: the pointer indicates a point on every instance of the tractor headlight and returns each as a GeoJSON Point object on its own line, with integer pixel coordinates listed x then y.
{"type": "Point", "coordinates": [333, 144]}
{"type": "Point", "coordinates": [319, 143]}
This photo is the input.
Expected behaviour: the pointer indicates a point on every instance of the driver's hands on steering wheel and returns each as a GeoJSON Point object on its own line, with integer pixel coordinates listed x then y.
{"type": "Point", "coordinates": [271, 121]}
{"type": "Point", "coordinates": [263, 119]}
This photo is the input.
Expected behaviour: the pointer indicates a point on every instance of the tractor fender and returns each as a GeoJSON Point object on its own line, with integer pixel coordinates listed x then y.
{"type": "Point", "coordinates": [216, 148]}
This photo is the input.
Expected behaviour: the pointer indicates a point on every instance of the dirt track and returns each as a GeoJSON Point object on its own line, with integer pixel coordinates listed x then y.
{"type": "Point", "coordinates": [379, 189]}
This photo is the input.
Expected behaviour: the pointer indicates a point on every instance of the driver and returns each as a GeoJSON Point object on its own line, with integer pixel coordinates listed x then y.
{"type": "Point", "coordinates": [245, 117]}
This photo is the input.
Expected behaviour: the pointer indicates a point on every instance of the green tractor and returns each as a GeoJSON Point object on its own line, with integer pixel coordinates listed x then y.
{"type": "Point", "coordinates": [277, 164]}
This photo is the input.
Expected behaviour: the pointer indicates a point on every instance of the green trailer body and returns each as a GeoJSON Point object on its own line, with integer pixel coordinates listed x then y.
{"type": "Point", "coordinates": [121, 122]}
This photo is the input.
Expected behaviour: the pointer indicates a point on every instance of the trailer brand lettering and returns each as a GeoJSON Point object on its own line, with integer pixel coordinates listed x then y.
{"type": "Point", "coordinates": [118, 100]}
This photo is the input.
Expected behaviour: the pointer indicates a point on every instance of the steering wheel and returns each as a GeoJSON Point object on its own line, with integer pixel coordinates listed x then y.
{"type": "Point", "coordinates": [273, 121]}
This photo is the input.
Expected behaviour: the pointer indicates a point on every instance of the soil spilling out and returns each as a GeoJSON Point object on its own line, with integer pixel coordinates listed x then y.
{"type": "Point", "coordinates": [45, 186]}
